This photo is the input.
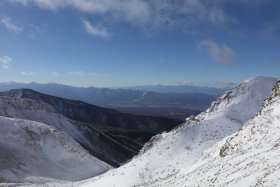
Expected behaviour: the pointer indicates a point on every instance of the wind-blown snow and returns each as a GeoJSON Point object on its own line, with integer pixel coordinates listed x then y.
{"type": "Point", "coordinates": [169, 154]}
{"type": "Point", "coordinates": [37, 153]}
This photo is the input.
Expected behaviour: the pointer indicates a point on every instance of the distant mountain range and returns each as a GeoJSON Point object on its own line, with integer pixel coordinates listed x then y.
{"type": "Point", "coordinates": [170, 104]}
{"type": "Point", "coordinates": [183, 88]}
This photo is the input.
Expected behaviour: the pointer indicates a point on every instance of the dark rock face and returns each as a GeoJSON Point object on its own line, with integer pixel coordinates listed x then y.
{"type": "Point", "coordinates": [114, 137]}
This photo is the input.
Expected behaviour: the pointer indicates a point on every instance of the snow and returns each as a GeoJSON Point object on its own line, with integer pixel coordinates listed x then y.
{"type": "Point", "coordinates": [171, 155]}
{"type": "Point", "coordinates": [41, 112]}
{"type": "Point", "coordinates": [33, 152]}
{"type": "Point", "coordinates": [249, 157]}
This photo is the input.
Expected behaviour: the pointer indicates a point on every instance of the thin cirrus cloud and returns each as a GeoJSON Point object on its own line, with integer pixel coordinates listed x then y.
{"type": "Point", "coordinates": [10, 25]}
{"type": "Point", "coordinates": [219, 52]}
{"type": "Point", "coordinates": [27, 73]}
{"type": "Point", "coordinates": [151, 16]}
{"type": "Point", "coordinates": [129, 10]}
{"type": "Point", "coordinates": [97, 31]}
{"type": "Point", "coordinates": [5, 61]}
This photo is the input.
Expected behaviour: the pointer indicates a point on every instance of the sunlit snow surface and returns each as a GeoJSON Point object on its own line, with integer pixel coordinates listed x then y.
{"type": "Point", "coordinates": [177, 154]}
{"type": "Point", "coordinates": [249, 157]}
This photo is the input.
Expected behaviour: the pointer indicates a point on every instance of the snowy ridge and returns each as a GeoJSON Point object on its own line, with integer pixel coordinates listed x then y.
{"type": "Point", "coordinates": [249, 157]}
{"type": "Point", "coordinates": [85, 123]}
{"type": "Point", "coordinates": [37, 153]}
{"type": "Point", "coordinates": [40, 112]}
{"type": "Point", "coordinates": [254, 90]}
{"type": "Point", "coordinates": [170, 154]}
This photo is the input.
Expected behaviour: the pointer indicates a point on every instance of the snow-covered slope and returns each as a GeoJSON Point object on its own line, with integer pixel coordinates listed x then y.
{"type": "Point", "coordinates": [169, 154]}
{"type": "Point", "coordinates": [37, 153]}
{"type": "Point", "coordinates": [98, 144]}
{"type": "Point", "coordinates": [41, 112]}
{"type": "Point", "coordinates": [249, 157]}
{"type": "Point", "coordinates": [109, 135]}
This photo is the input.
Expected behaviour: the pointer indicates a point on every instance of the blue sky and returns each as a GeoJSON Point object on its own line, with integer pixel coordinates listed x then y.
{"type": "Point", "coordinates": [111, 43]}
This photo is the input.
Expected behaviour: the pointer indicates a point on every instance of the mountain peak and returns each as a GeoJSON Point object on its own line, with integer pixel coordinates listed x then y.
{"type": "Point", "coordinates": [21, 93]}
{"type": "Point", "coordinates": [257, 78]}
{"type": "Point", "coordinates": [247, 95]}
{"type": "Point", "coordinates": [248, 156]}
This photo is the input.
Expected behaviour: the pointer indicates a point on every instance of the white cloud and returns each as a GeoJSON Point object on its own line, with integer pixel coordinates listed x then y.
{"type": "Point", "coordinates": [97, 31]}
{"type": "Point", "coordinates": [76, 73]}
{"type": "Point", "coordinates": [129, 10]}
{"type": "Point", "coordinates": [5, 62]}
{"type": "Point", "coordinates": [8, 23]}
{"type": "Point", "coordinates": [221, 53]}
{"type": "Point", "coordinates": [148, 14]}
{"type": "Point", "coordinates": [27, 73]}
{"type": "Point", "coordinates": [151, 15]}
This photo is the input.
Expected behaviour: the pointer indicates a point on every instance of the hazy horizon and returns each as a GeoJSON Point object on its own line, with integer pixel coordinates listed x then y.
{"type": "Point", "coordinates": [217, 84]}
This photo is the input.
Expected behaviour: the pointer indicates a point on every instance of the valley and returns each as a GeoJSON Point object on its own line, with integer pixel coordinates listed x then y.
{"type": "Point", "coordinates": [172, 104]}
